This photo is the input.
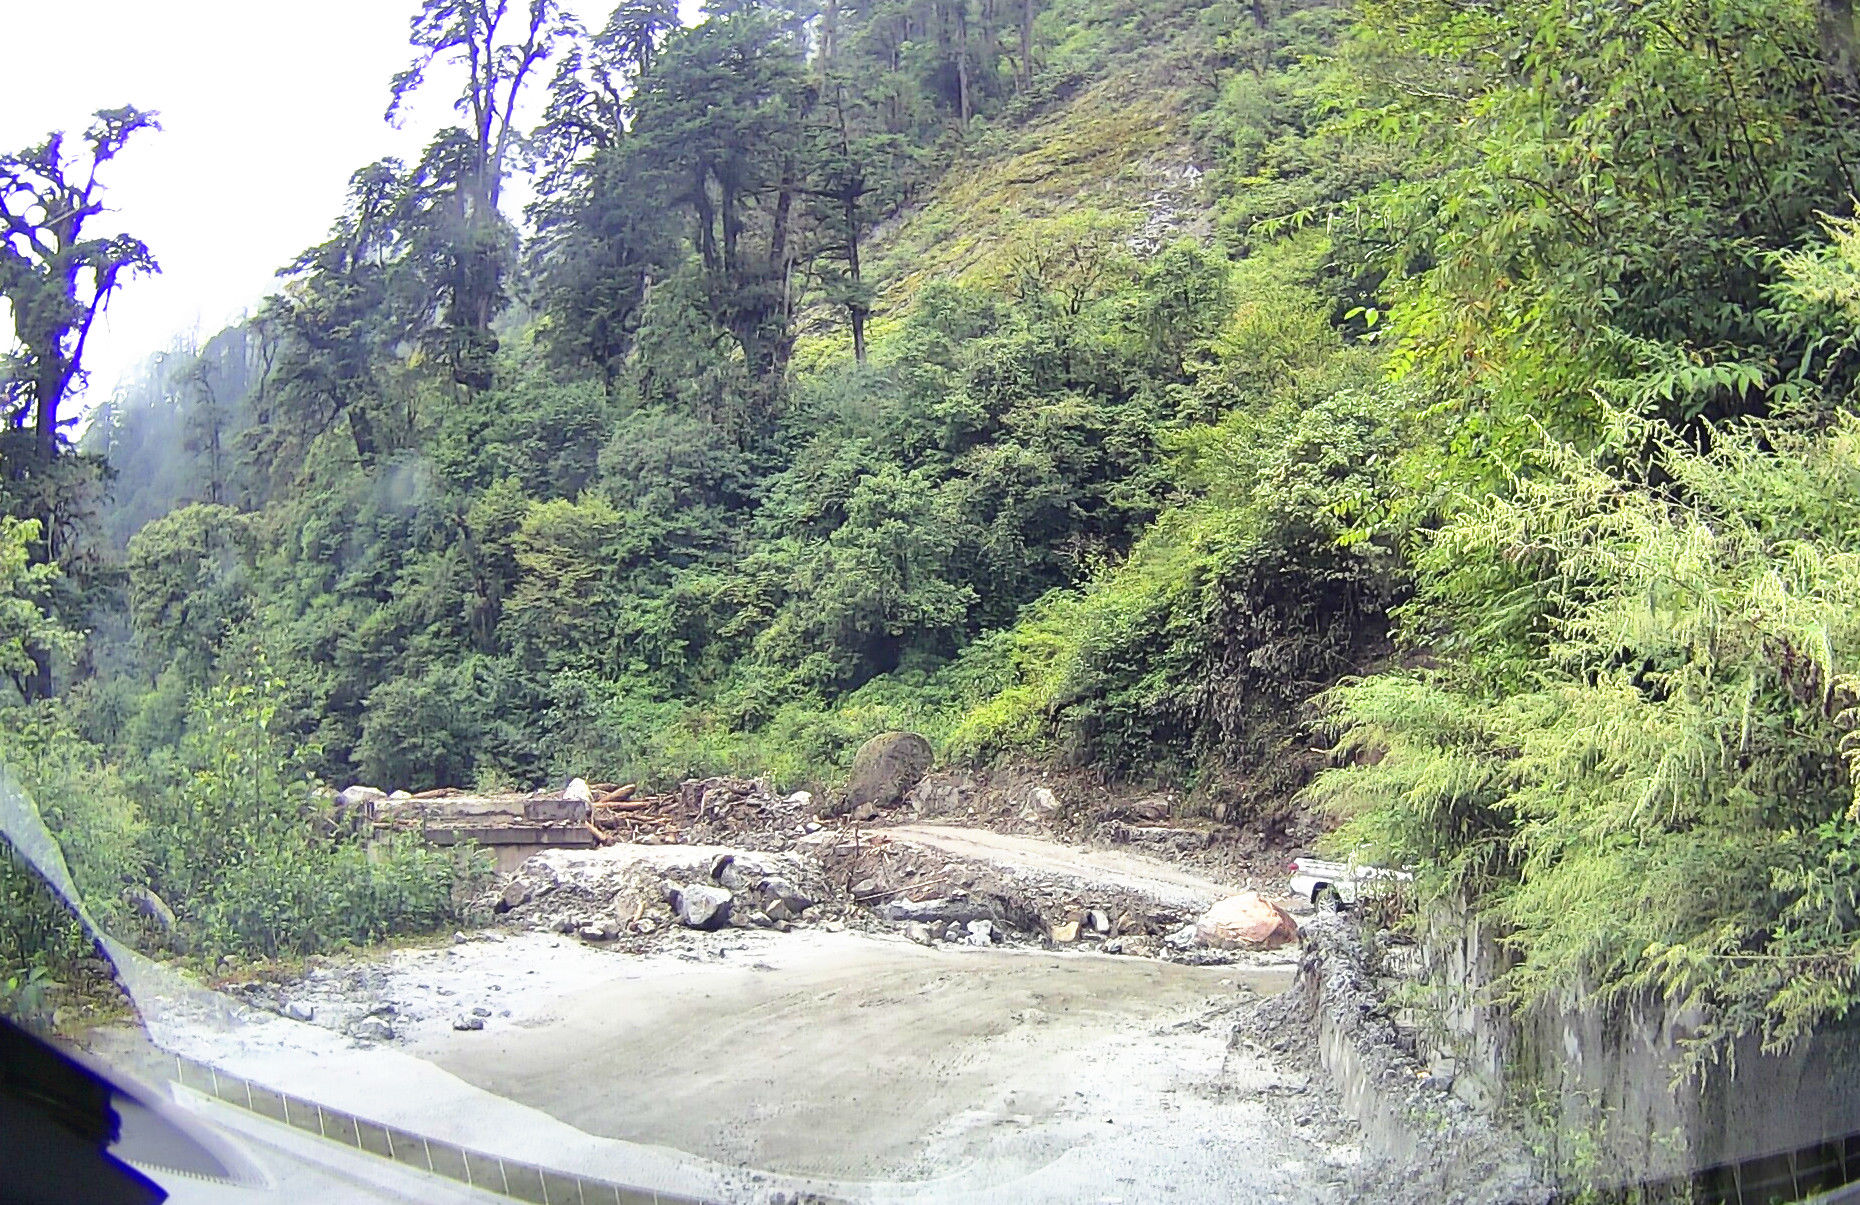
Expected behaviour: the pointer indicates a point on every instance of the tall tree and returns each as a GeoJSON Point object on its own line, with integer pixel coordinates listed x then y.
{"type": "Point", "coordinates": [500, 56]}
{"type": "Point", "coordinates": [56, 278]}
{"type": "Point", "coordinates": [855, 172]}
{"type": "Point", "coordinates": [721, 124]}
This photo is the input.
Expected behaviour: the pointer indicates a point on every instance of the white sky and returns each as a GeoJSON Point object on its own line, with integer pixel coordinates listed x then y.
{"type": "Point", "coordinates": [266, 109]}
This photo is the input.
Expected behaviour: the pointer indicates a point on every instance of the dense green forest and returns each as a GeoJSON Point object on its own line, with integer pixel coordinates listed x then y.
{"type": "Point", "coordinates": [1433, 413]}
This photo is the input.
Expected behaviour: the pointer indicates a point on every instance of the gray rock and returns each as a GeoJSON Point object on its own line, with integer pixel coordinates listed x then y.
{"type": "Point", "coordinates": [297, 1010]}
{"type": "Point", "coordinates": [372, 1029]}
{"type": "Point", "coordinates": [885, 770]}
{"type": "Point", "coordinates": [700, 906]}
{"type": "Point", "coordinates": [480, 1011]}
{"type": "Point", "coordinates": [981, 933]}
{"type": "Point", "coordinates": [459, 939]}
{"type": "Point", "coordinates": [1099, 920]}
{"type": "Point", "coordinates": [468, 1021]}
{"type": "Point", "coordinates": [785, 895]}
{"type": "Point", "coordinates": [1183, 938]}
{"type": "Point", "coordinates": [919, 933]}
{"type": "Point", "coordinates": [726, 872]}
{"type": "Point", "coordinates": [516, 894]}
{"type": "Point", "coordinates": [593, 933]}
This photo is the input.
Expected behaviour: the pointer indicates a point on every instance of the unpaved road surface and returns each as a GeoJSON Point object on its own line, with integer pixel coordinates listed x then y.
{"type": "Point", "coordinates": [757, 1065]}
{"type": "Point", "coordinates": [854, 1059]}
{"type": "Point", "coordinates": [1163, 881]}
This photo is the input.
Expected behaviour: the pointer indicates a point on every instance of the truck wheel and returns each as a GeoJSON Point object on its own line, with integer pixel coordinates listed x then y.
{"type": "Point", "coordinates": [1326, 901]}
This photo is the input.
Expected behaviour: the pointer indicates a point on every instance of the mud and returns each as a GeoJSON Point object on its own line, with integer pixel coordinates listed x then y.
{"type": "Point", "coordinates": [755, 1064]}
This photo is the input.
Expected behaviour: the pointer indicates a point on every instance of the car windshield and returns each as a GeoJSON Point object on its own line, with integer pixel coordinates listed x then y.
{"type": "Point", "coordinates": [930, 600]}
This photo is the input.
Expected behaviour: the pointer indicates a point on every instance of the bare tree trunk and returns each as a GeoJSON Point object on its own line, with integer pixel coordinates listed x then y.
{"type": "Point", "coordinates": [855, 305]}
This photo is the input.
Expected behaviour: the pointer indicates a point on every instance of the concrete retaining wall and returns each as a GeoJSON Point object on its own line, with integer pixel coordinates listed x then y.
{"type": "Point", "coordinates": [1611, 1075]}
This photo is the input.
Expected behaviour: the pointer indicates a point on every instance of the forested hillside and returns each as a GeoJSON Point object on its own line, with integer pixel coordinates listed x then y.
{"type": "Point", "coordinates": [1434, 415]}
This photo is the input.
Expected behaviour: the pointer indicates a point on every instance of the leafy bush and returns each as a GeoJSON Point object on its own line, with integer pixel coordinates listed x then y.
{"type": "Point", "coordinates": [240, 847]}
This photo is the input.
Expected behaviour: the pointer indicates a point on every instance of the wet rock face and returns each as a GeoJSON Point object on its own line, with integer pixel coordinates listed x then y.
{"type": "Point", "coordinates": [885, 770]}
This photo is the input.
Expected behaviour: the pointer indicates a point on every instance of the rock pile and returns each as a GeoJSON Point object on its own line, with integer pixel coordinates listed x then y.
{"type": "Point", "coordinates": [602, 895]}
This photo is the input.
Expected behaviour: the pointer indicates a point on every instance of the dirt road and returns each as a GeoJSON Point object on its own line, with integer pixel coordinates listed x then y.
{"type": "Point", "coordinates": [1163, 881]}
{"type": "Point", "coordinates": [751, 1064]}
{"type": "Point", "coordinates": [854, 1059]}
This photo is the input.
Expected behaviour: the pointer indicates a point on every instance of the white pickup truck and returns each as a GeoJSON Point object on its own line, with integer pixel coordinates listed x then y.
{"type": "Point", "coordinates": [1333, 885]}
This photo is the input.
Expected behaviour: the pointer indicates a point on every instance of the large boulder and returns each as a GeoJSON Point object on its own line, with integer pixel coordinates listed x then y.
{"type": "Point", "coordinates": [1246, 922]}
{"type": "Point", "coordinates": [701, 906]}
{"type": "Point", "coordinates": [885, 769]}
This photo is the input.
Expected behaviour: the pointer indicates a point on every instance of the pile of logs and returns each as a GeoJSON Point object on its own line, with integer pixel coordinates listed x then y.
{"type": "Point", "coordinates": [620, 813]}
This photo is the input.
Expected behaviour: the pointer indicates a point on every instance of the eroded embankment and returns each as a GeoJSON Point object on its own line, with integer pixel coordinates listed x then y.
{"type": "Point", "coordinates": [1421, 1143]}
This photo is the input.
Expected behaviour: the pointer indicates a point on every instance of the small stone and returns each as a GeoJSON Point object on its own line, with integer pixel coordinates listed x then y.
{"type": "Point", "coordinates": [981, 933]}
{"type": "Point", "coordinates": [297, 1010]}
{"type": "Point", "coordinates": [865, 887]}
{"type": "Point", "coordinates": [592, 933]}
{"type": "Point", "coordinates": [920, 933]}
{"type": "Point", "coordinates": [383, 1010]}
{"type": "Point", "coordinates": [459, 939]}
{"type": "Point", "coordinates": [834, 926]}
{"type": "Point", "coordinates": [803, 799]}
{"type": "Point", "coordinates": [812, 826]}
{"type": "Point", "coordinates": [516, 894]}
{"type": "Point", "coordinates": [1099, 920]}
{"type": "Point", "coordinates": [1068, 932]}
{"type": "Point", "coordinates": [480, 1011]}
{"type": "Point", "coordinates": [468, 1021]}
{"type": "Point", "coordinates": [372, 1029]}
